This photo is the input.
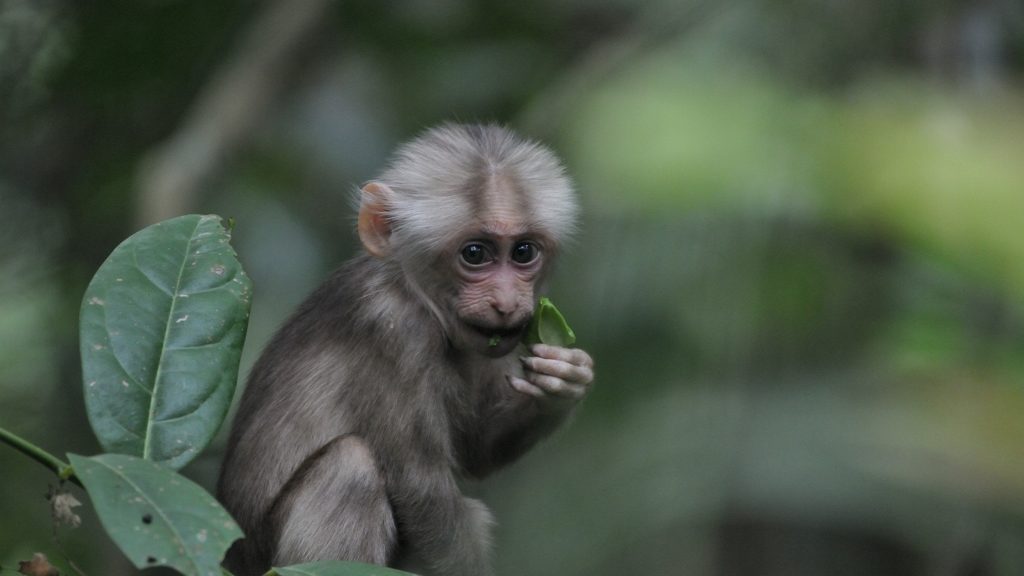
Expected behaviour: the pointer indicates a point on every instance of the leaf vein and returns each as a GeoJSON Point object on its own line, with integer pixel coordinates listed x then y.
{"type": "Point", "coordinates": [124, 369]}
{"type": "Point", "coordinates": [125, 428]}
{"type": "Point", "coordinates": [202, 402]}
{"type": "Point", "coordinates": [218, 342]}
{"type": "Point", "coordinates": [138, 266]}
{"type": "Point", "coordinates": [180, 538]}
{"type": "Point", "coordinates": [167, 329]}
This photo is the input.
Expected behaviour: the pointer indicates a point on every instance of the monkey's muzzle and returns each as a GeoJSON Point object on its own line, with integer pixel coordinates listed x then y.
{"type": "Point", "coordinates": [496, 341]}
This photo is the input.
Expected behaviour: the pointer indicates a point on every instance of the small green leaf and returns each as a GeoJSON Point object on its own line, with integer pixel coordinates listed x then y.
{"type": "Point", "coordinates": [156, 516]}
{"type": "Point", "coordinates": [162, 327]}
{"type": "Point", "coordinates": [336, 569]}
{"type": "Point", "coordinates": [549, 326]}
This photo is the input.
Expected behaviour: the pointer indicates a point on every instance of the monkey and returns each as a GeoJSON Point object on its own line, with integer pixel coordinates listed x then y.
{"type": "Point", "coordinates": [404, 373]}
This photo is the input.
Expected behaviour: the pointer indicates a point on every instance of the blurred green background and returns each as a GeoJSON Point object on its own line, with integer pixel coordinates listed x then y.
{"type": "Point", "coordinates": [801, 267]}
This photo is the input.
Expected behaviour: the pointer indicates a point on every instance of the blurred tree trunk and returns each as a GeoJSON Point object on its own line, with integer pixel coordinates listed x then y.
{"type": "Point", "coordinates": [253, 80]}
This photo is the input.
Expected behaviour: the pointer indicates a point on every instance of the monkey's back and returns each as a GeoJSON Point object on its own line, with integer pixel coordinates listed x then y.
{"type": "Point", "coordinates": [332, 369]}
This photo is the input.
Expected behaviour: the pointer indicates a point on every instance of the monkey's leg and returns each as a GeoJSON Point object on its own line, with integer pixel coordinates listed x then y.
{"type": "Point", "coordinates": [334, 508]}
{"type": "Point", "coordinates": [443, 532]}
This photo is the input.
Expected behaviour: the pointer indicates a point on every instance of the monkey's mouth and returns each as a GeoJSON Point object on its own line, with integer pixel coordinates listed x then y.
{"type": "Point", "coordinates": [500, 339]}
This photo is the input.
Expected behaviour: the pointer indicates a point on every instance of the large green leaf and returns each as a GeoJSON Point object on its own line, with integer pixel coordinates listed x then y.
{"type": "Point", "coordinates": [156, 516]}
{"type": "Point", "coordinates": [335, 569]}
{"type": "Point", "coordinates": [162, 327]}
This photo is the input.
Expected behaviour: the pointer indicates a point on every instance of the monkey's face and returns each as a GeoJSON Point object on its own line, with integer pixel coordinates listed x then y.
{"type": "Point", "coordinates": [494, 300]}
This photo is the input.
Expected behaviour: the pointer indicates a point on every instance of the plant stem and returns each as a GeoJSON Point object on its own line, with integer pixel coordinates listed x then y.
{"type": "Point", "coordinates": [59, 467]}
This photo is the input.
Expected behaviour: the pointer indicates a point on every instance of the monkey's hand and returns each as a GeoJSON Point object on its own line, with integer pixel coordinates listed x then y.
{"type": "Point", "coordinates": [561, 376]}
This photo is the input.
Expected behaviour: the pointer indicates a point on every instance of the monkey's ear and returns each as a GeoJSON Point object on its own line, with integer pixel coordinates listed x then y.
{"type": "Point", "coordinates": [374, 228]}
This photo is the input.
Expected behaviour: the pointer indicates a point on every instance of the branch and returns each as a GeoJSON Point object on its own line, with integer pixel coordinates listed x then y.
{"type": "Point", "coordinates": [230, 107]}
{"type": "Point", "coordinates": [62, 469]}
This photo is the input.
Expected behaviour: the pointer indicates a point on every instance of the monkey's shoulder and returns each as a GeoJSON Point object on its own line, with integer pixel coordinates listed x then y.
{"type": "Point", "coordinates": [344, 306]}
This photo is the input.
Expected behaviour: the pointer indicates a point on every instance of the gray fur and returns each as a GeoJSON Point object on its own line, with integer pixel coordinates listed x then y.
{"type": "Point", "coordinates": [334, 505]}
{"type": "Point", "coordinates": [360, 417]}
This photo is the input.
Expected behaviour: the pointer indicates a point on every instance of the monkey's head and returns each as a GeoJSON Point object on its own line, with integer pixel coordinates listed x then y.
{"type": "Point", "coordinates": [473, 216]}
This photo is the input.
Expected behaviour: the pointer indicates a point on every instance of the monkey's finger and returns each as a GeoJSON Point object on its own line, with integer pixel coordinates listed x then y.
{"type": "Point", "coordinates": [571, 355]}
{"type": "Point", "coordinates": [556, 386]}
{"type": "Point", "coordinates": [525, 387]}
{"type": "Point", "coordinates": [559, 369]}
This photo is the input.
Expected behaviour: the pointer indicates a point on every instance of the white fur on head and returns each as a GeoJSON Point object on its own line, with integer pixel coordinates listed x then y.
{"type": "Point", "coordinates": [442, 177]}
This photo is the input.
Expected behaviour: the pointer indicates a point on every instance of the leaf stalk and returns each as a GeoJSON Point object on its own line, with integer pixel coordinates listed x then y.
{"type": "Point", "coordinates": [62, 469]}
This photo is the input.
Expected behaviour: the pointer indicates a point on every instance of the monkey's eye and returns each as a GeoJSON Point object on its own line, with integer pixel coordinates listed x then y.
{"type": "Point", "coordinates": [474, 254]}
{"type": "Point", "coordinates": [525, 252]}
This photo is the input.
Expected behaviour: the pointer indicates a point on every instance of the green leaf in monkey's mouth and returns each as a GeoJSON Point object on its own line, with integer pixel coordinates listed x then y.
{"type": "Point", "coordinates": [496, 335]}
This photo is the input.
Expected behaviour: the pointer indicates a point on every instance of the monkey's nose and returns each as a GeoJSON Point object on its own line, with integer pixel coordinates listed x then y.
{"type": "Point", "coordinates": [503, 309]}
{"type": "Point", "coordinates": [504, 305]}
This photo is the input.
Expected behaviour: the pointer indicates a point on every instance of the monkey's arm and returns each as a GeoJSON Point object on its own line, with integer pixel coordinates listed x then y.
{"type": "Point", "coordinates": [521, 410]}
{"type": "Point", "coordinates": [443, 532]}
